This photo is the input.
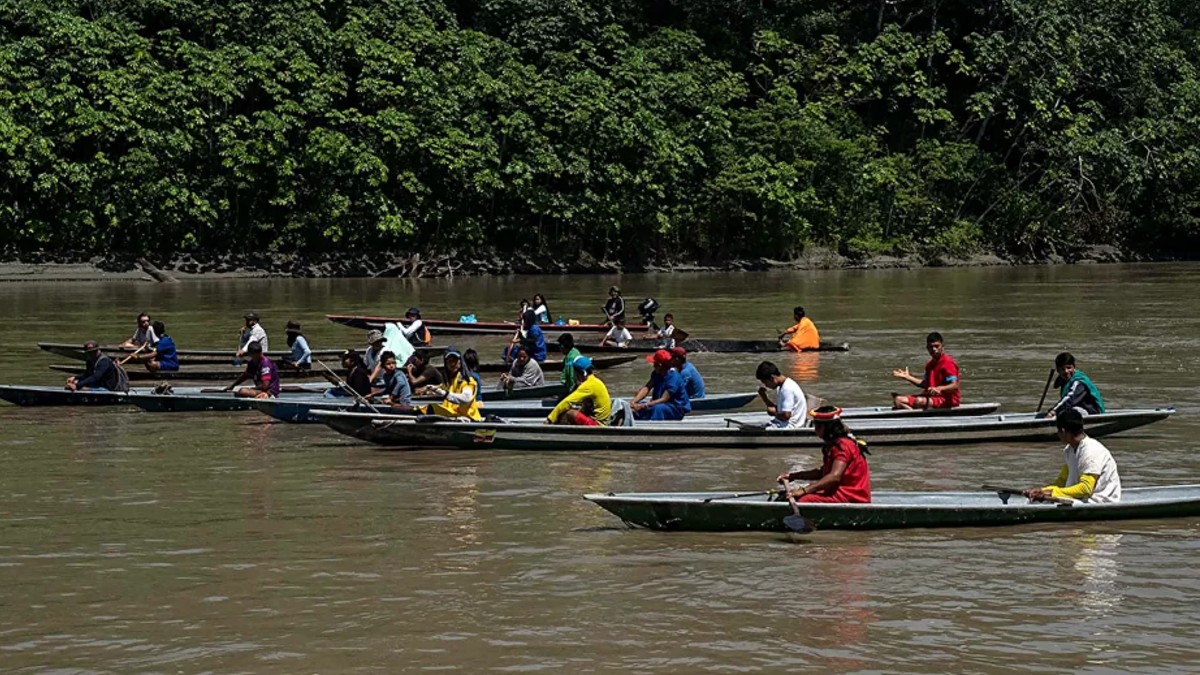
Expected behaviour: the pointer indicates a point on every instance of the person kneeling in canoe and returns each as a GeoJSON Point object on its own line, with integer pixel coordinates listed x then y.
{"type": "Point", "coordinates": [790, 408]}
{"type": "Point", "coordinates": [1089, 472]}
{"type": "Point", "coordinates": [262, 371]}
{"type": "Point", "coordinates": [1075, 388]}
{"type": "Point", "coordinates": [667, 393]}
{"type": "Point", "coordinates": [940, 388]}
{"type": "Point", "coordinates": [101, 372]}
{"type": "Point", "coordinates": [844, 476]}
{"type": "Point", "coordinates": [458, 396]}
{"type": "Point", "coordinates": [590, 395]}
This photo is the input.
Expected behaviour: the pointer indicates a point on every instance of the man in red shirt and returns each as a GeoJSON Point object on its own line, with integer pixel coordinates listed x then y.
{"type": "Point", "coordinates": [844, 476]}
{"type": "Point", "coordinates": [940, 388]}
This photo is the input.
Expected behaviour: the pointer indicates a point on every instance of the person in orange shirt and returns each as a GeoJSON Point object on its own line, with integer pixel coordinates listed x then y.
{"type": "Point", "coordinates": [801, 336]}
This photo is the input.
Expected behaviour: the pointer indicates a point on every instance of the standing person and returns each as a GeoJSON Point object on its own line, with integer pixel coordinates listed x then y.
{"type": "Point", "coordinates": [614, 309]}
{"type": "Point", "coordinates": [569, 377]}
{"type": "Point", "coordinates": [262, 371]}
{"type": "Point", "coordinates": [844, 477]}
{"type": "Point", "coordinates": [664, 335]}
{"type": "Point", "coordinates": [1089, 472]}
{"type": "Point", "coordinates": [422, 373]}
{"type": "Point", "coordinates": [668, 397]}
{"type": "Point", "coordinates": [371, 357]}
{"type": "Point", "coordinates": [301, 356]}
{"type": "Point", "coordinates": [252, 333]}
{"type": "Point", "coordinates": [396, 391]}
{"type": "Point", "coordinates": [165, 357]}
{"type": "Point", "coordinates": [803, 335]}
{"type": "Point", "coordinates": [416, 332]}
{"type": "Point", "coordinates": [589, 405]}
{"type": "Point", "coordinates": [692, 382]}
{"type": "Point", "coordinates": [618, 335]}
{"type": "Point", "coordinates": [143, 335]}
{"type": "Point", "coordinates": [101, 372]}
{"type": "Point", "coordinates": [541, 311]}
{"type": "Point", "coordinates": [1076, 389]}
{"type": "Point", "coordinates": [940, 388]}
{"type": "Point", "coordinates": [459, 395]}
{"type": "Point", "coordinates": [525, 372]}
{"type": "Point", "coordinates": [789, 410]}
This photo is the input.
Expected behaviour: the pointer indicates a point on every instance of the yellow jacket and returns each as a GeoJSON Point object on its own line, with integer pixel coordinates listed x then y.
{"type": "Point", "coordinates": [590, 390]}
{"type": "Point", "coordinates": [457, 402]}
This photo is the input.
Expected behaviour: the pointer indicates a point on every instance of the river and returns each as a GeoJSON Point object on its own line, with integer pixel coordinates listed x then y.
{"type": "Point", "coordinates": [223, 542]}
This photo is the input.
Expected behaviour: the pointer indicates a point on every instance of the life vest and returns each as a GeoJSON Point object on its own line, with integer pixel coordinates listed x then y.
{"type": "Point", "coordinates": [456, 386]}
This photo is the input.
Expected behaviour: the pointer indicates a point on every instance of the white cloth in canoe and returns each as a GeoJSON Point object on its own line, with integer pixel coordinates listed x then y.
{"type": "Point", "coordinates": [397, 343]}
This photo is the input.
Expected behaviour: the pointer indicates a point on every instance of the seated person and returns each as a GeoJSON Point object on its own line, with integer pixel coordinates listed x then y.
{"type": "Point", "coordinates": [525, 372]}
{"type": "Point", "coordinates": [458, 396]}
{"type": "Point", "coordinates": [668, 399]}
{"type": "Point", "coordinates": [844, 476]}
{"type": "Point", "coordinates": [1075, 388]}
{"type": "Point", "coordinates": [801, 336]}
{"type": "Point", "coordinates": [262, 371]}
{"type": "Point", "coordinates": [940, 388]}
{"type": "Point", "coordinates": [618, 335]}
{"type": "Point", "coordinates": [790, 408]}
{"type": "Point", "coordinates": [1089, 472]}
{"type": "Point", "coordinates": [396, 391]}
{"type": "Point", "coordinates": [590, 395]}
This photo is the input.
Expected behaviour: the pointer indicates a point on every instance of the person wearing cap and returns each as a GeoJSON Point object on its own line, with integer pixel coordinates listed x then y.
{"type": "Point", "coordinates": [1077, 390]}
{"type": "Point", "coordinates": [262, 371]}
{"type": "Point", "coordinates": [668, 399]}
{"type": "Point", "coordinates": [459, 394]}
{"type": "Point", "coordinates": [788, 410]}
{"type": "Point", "coordinates": [589, 405]}
{"type": "Point", "coordinates": [568, 378]}
{"type": "Point", "coordinates": [101, 372]}
{"type": "Point", "coordinates": [664, 335]}
{"type": "Point", "coordinates": [253, 332]}
{"type": "Point", "coordinates": [614, 309]}
{"type": "Point", "coordinates": [1089, 472]}
{"type": "Point", "coordinates": [421, 373]}
{"type": "Point", "coordinates": [415, 331]}
{"type": "Point", "coordinates": [375, 340]}
{"type": "Point", "coordinates": [618, 335]}
{"type": "Point", "coordinates": [692, 382]}
{"type": "Point", "coordinates": [525, 372]}
{"type": "Point", "coordinates": [300, 357]}
{"type": "Point", "coordinates": [143, 335]}
{"type": "Point", "coordinates": [801, 336]}
{"type": "Point", "coordinates": [940, 388]}
{"type": "Point", "coordinates": [844, 476]}
{"type": "Point", "coordinates": [396, 391]}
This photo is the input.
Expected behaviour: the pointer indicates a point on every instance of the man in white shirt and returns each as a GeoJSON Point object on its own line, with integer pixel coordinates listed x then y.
{"type": "Point", "coordinates": [144, 335]}
{"type": "Point", "coordinates": [790, 408]}
{"type": "Point", "coordinates": [618, 335]}
{"type": "Point", "coordinates": [1089, 472]}
{"type": "Point", "coordinates": [253, 332]}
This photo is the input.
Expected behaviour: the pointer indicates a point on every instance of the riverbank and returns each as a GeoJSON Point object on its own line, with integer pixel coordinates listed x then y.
{"type": "Point", "coordinates": [62, 268]}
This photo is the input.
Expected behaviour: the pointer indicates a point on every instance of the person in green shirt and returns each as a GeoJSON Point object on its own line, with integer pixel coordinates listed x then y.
{"type": "Point", "coordinates": [569, 378]}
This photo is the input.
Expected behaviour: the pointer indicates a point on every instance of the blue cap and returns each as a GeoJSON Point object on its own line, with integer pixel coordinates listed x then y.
{"type": "Point", "coordinates": [582, 362]}
{"type": "Point", "coordinates": [452, 352]}
{"type": "Point", "coordinates": [414, 311]}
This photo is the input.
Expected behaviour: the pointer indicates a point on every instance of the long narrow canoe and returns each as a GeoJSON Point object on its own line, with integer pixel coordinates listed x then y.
{"type": "Point", "coordinates": [186, 356]}
{"type": "Point", "coordinates": [700, 346]}
{"type": "Point", "coordinates": [230, 374]}
{"type": "Point", "coordinates": [691, 511]}
{"type": "Point", "coordinates": [57, 396]}
{"type": "Point", "coordinates": [405, 434]}
{"type": "Point", "coordinates": [300, 411]}
{"type": "Point", "coordinates": [443, 327]}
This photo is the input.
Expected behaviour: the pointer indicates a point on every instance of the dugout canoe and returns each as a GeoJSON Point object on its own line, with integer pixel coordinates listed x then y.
{"type": "Point", "coordinates": [444, 327]}
{"type": "Point", "coordinates": [694, 512]}
{"type": "Point", "coordinates": [298, 411]}
{"type": "Point", "coordinates": [37, 396]}
{"type": "Point", "coordinates": [186, 356]}
{"type": "Point", "coordinates": [217, 373]}
{"type": "Point", "coordinates": [1025, 427]}
{"type": "Point", "coordinates": [701, 346]}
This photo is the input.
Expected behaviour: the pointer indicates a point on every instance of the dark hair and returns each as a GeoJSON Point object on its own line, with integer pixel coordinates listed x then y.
{"type": "Point", "coordinates": [620, 321]}
{"type": "Point", "coordinates": [1070, 421]}
{"type": "Point", "coordinates": [160, 329]}
{"type": "Point", "coordinates": [766, 371]}
{"type": "Point", "coordinates": [798, 311]}
{"type": "Point", "coordinates": [385, 356]}
{"type": "Point", "coordinates": [836, 429]}
{"type": "Point", "coordinates": [528, 318]}
{"type": "Point", "coordinates": [471, 358]}
{"type": "Point", "coordinates": [420, 356]}
{"type": "Point", "coordinates": [1064, 359]}
{"type": "Point", "coordinates": [141, 316]}
{"type": "Point", "coordinates": [567, 340]}
{"type": "Point", "coordinates": [522, 347]}
{"type": "Point", "coordinates": [669, 315]}
{"type": "Point", "coordinates": [934, 337]}
{"type": "Point", "coordinates": [254, 347]}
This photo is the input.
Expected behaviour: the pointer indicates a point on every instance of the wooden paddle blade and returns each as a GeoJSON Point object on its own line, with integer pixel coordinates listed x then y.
{"type": "Point", "coordinates": [680, 335]}
{"type": "Point", "coordinates": [798, 524]}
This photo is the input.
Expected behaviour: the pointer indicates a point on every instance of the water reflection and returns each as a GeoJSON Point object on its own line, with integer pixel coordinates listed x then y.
{"type": "Point", "coordinates": [1097, 562]}
{"type": "Point", "coordinates": [804, 367]}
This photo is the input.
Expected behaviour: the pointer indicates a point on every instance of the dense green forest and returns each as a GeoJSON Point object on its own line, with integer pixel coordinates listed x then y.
{"type": "Point", "coordinates": [630, 129]}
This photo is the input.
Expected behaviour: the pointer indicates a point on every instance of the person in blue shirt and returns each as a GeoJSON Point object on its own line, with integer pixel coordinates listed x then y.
{"type": "Point", "coordinates": [164, 358]}
{"type": "Point", "coordinates": [692, 382]}
{"type": "Point", "coordinates": [534, 339]}
{"type": "Point", "coordinates": [668, 399]}
{"type": "Point", "coordinates": [396, 391]}
{"type": "Point", "coordinates": [301, 356]}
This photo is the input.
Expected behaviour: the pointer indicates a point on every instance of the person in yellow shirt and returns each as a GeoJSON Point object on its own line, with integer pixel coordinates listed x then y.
{"type": "Point", "coordinates": [459, 397]}
{"type": "Point", "coordinates": [801, 336]}
{"type": "Point", "coordinates": [595, 405]}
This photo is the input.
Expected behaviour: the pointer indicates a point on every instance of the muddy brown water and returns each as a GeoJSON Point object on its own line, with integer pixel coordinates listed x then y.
{"type": "Point", "coordinates": [222, 542]}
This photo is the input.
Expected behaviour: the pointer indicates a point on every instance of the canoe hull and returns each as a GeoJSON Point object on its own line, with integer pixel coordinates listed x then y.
{"type": "Point", "coordinates": [699, 346]}
{"type": "Point", "coordinates": [186, 356]}
{"type": "Point", "coordinates": [442, 327]}
{"type": "Point", "coordinates": [890, 510]}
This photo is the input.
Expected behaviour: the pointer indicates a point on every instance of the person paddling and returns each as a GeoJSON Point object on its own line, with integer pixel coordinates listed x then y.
{"type": "Point", "coordinates": [1076, 389]}
{"type": "Point", "coordinates": [144, 335]}
{"type": "Point", "coordinates": [844, 476]}
{"type": "Point", "coordinates": [803, 335]}
{"type": "Point", "coordinates": [1089, 472]}
{"type": "Point", "coordinates": [568, 378]}
{"type": "Point", "coordinates": [589, 405]}
{"type": "Point", "coordinates": [614, 309]}
{"type": "Point", "coordinates": [262, 371]}
{"type": "Point", "coordinates": [668, 399]}
{"type": "Point", "coordinates": [790, 407]}
{"type": "Point", "coordinates": [301, 355]}
{"type": "Point", "coordinates": [101, 372]}
{"type": "Point", "coordinates": [165, 357]}
{"type": "Point", "coordinates": [940, 388]}
{"type": "Point", "coordinates": [358, 376]}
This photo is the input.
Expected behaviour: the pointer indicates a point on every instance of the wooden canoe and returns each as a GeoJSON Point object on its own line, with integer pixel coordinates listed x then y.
{"type": "Point", "coordinates": [186, 356]}
{"type": "Point", "coordinates": [689, 511]}
{"type": "Point", "coordinates": [217, 373]}
{"type": "Point", "coordinates": [701, 346]}
{"type": "Point", "coordinates": [444, 327]}
{"type": "Point", "coordinates": [1024, 427]}
{"type": "Point", "coordinates": [38, 396]}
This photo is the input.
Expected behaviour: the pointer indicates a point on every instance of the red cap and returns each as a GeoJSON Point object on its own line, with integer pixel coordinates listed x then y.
{"type": "Point", "coordinates": [661, 356]}
{"type": "Point", "coordinates": [679, 351]}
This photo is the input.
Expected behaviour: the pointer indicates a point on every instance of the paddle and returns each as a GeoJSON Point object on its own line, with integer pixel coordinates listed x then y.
{"type": "Point", "coordinates": [1044, 392]}
{"type": "Point", "coordinates": [336, 379]}
{"type": "Point", "coordinates": [135, 353]}
{"type": "Point", "coordinates": [736, 495]}
{"type": "Point", "coordinates": [1018, 491]}
{"type": "Point", "coordinates": [680, 335]}
{"type": "Point", "coordinates": [795, 522]}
